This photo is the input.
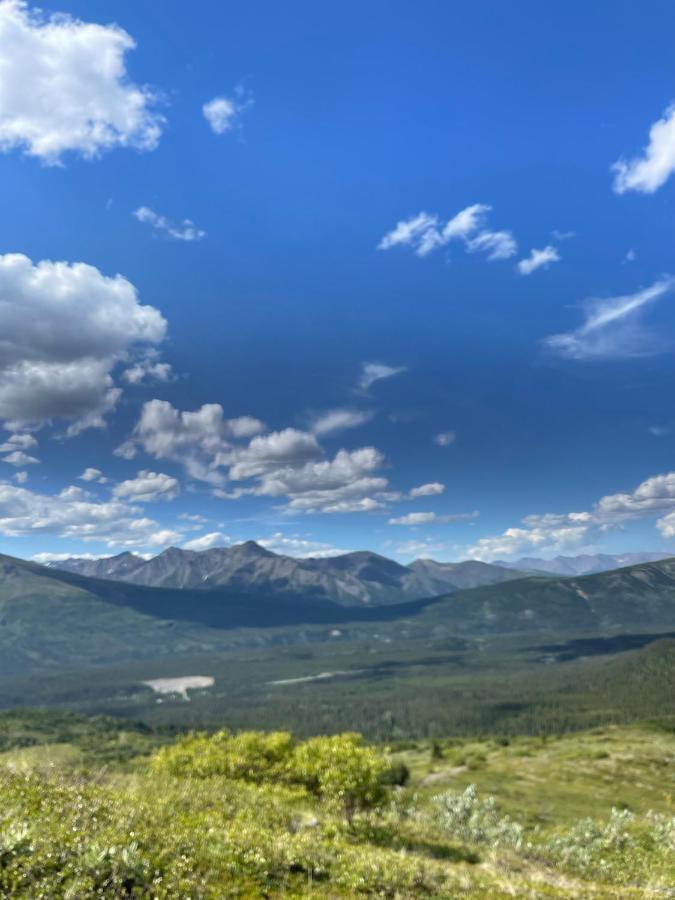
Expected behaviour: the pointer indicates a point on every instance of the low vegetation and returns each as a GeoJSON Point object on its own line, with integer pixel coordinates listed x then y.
{"type": "Point", "coordinates": [103, 808]}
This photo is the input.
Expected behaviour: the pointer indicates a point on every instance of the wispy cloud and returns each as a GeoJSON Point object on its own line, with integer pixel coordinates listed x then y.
{"type": "Point", "coordinates": [372, 372]}
{"type": "Point", "coordinates": [424, 233]}
{"type": "Point", "coordinates": [649, 171]}
{"type": "Point", "coordinates": [445, 438]}
{"type": "Point", "coordinates": [339, 420]}
{"type": "Point", "coordinates": [431, 518]}
{"type": "Point", "coordinates": [185, 231]}
{"type": "Point", "coordinates": [612, 327]}
{"type": "Point", "coordinates": [538, 259]}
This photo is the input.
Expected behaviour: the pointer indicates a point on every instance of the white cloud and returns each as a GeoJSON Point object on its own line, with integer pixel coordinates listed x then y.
{"type": "Point", "coordinates": [666, 525]}
{"type": "Point", "coordinates": [279, 450]}
{"type": "Point", "coordinates": [91, 474]}
{"type": "Point", "coordinates": [185, 231]}
{"type": "Point", "coordinates": [648, 172]}
{"type": "Point", "coordinates": [538, 259]}
{"type": "Point", "coordinates": [445, 438]}
{"type": "Point", "coordinates": [18, 442]}
{"type": "Point", "coordinates": [287, 464]}
{"type": "Point", "coordinates": [20, 477]}
{"type": "Point", "coordinates": [612, 328]}
{"type": "Point", "coordinates": [199, 440]}
{"type": "Point", "coordinates": [222, 113]}
{"type": "Point", "coordinates": [420, 549]}
{"type": "Point", "coordinates": [631, 256]}
{"type": "Point", "coordinates": [339, 420]}
{"type": "Point", "coordinates": [64, 328]}
{"type": "Point", "coordinates": [415, 518]}
{"type": "Point", "coordinates": [299, 547]}
{"type": "Point", "coordinates": [558, 532]}
{"type": "Point", "coordinates": [346, 483]}
{"type": "Point", "coordinates": [416, 232]}
{"type": "Point", "coordinates": [148, 368]}
{"type": "Point", "coordinates": [207, 541]}
{"type": "Point", "coordinates": [73, 515]}
{"type": "Point", "coordinates": [372, 372]}
{"type": "Point", "coordinates": [47, 557]}
{"type": "Point", "coordinates": [431, 518]}
{"type": "Point", "coordinates": [147, 487]}
{"type": "Point", "coordinates": [19, 458]}
{"type": "Point", "coordinates": [424, 233]}
{"type": "Point", "coordinates": [433, 488]}
{"type": "Point", "coordinates": [563, 235]}
{"type": "Point", "coordinates": [64, 87]}
{"type": "Point", "coordinates": [495, 244]}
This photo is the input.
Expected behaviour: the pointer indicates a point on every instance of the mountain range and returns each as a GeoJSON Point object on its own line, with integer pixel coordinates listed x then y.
{"type": "Point", "coordinates": [352, 579]}
{"type": "Point", "coordinates": [54, 619]}
{"type": "Point", "coordinates": [584, 564]}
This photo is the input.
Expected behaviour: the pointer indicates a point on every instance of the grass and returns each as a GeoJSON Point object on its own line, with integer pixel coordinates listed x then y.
{"type": "Point", "coordinates": [79, 820]}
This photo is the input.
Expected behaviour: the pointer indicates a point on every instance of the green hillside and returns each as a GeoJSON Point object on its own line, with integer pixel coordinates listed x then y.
{"type": "Point", "coordinates": [93, 808]}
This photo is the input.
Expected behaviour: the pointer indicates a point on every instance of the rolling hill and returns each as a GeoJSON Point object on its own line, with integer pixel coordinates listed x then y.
{"type": "Point", "coordinates": [51, 618]}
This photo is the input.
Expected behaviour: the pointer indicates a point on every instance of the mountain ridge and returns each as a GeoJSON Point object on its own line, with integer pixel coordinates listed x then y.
{"type": "Point", "coordinates": [357, 578]}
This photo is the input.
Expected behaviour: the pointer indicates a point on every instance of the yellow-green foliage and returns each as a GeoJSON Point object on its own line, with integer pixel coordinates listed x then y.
{"type": "Point", "coordinates": [339, 769]}
{"type": "Point", "coordinates": [259, 815]}
{"type": "Point", "coordinates": [248, 756]}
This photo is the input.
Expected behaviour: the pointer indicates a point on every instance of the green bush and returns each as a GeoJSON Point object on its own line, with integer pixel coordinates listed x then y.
{"type": "Point", "coordinates": [248, 756]}
{"type": "Point", "coordinates": [341, 770]}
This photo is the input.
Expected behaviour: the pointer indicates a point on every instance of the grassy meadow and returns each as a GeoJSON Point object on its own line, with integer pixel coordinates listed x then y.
{"type": "Point", "coordinates": [105, 808]}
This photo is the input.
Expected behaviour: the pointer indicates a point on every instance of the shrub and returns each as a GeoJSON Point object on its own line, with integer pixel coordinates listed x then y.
{"type": "Point", "coordinates": [248, 756]}
{"type": "Point", "coordinates": [477, 821]}
{"type": "Point", "coordinates": [342, 771]}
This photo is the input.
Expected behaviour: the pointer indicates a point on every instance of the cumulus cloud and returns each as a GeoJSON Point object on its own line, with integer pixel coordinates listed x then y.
{"type": "Point", "coordinates": [289, 463]}
{"type": "Point", "coordinates": [222, 113]}
{"type": "Point", "coordinates": [199, 440]}
{"type": "Point", "coordinates": [147, 487]}
{"type": "Point", "coordinates": [346, 483]}
{"type": "Point", "coordinates": [299, 547]}
{"type": "Point", "coordinates": [433, 488]}
{"type": "Point", "coordinates": [18, 442]}
{"type": "Point", "coordinates": [63, 329]}
{"type": "Point", "coordinates": [147, 369]}
{"type": "Point", "coordinates": [207, 541]}
{"type": "Point", "coordinates": [372, 372]}
{"type": "Point", "coordinates": [185, 231]}
{"type": "Point", "coordinates": [339, 420]}
{"type": "Point", "coordinates": [538, 259]}
{"type": "Point", "coordinates": [445, 438]}
{"type": "Point", "coordinates": [649, 171]}
{"type": "Point", "coordinates": [424, 233]}
{"type": "Point", "coordinates": [612, 328]}
{"type": "Point", "coordinates": [64, 87]}
{"type": "Point", "coordinates": [20, 477]}
{"type": "Point", "coordinates": [558, 532]}
{"type": "Point", "coordinates": [49, 557]}
{"type": "Point", "coordinates": [287, 450]}
{"type": "Point", "coordinates": [19, 458]}
{"type": "Point", "coordinates": [91, 474]}
{"type": "Point", "coordinates": [74, 515]}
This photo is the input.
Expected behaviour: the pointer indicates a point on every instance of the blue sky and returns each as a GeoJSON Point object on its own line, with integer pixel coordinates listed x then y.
{"type": "Point", "coordinates": [519, 410]}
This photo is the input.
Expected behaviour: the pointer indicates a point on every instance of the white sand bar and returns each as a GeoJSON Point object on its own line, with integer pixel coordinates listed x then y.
{"type": "Point", "coordinates": [181, 686]}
